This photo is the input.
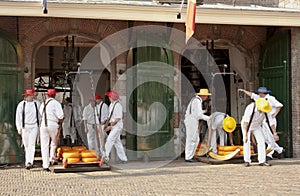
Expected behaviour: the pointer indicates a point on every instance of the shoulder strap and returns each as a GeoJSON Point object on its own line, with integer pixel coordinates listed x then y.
{"type": "Point", "coordinates": [251, 118]}
{"type": "Point", "coordinates": [71, 118]}
{"type": "Point", "coordinates": [45, 114]}
{"type": "Point", "coordinates": [23, 115]}
{"type": "Point", "coordinates": [100, 112]}
{"type": "Point", "coordinates": [268, 122]}
{"type": "Point", "coordinates": [112, 111]}
{"type": "Point", "coordinates": [37, 114]}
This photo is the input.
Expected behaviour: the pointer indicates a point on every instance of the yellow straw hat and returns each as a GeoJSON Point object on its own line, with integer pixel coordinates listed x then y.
{"type": "Point", "coordinates": [229, 124]}
{"type": "Point", "coordinates": [263, 105]}
{"type": "Point", "coordinates": [204, 92]}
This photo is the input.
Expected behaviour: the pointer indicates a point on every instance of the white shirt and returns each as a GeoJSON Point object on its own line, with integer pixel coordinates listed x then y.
{"type": "Point", "coordinates": [54, 112]}
{"type": "Point", "coordinates": [30, 113]}
{"type": "Point", "coordinates": [194, 109]}
{"type": "Point", "coordinates": [116, 113]}
{"type": "Point", "coordinates": [257, 119]}
{"type": "Point", "coordinates": [89, 114]}
{"type": "Point", "coordinates": [104, 111]}
{"type": "Point", "coordinates": [272, 100]}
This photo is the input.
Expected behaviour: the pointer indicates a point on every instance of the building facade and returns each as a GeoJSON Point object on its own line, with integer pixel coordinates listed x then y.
{"type": "Point", "coordinates": [254, 44]}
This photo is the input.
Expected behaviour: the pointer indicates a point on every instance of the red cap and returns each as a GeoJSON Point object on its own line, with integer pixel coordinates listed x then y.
{"type": "Point", "coordinates": [51, 92]}
{"type": "Point", "coordinates": [28, 92]}
{"type": "Point", "coordinates": [113, 95]}
{"type": "Point", "coordinates": [97, 96]}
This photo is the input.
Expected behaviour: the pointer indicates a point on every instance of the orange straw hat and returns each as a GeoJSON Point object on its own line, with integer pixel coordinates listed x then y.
{"type": "Point", "coordinates": [97, 96]}
{"type": "Point", "coordinates": [113, 95]}
{"type": "Point", "coordinates": [263, 105]}
{"type": "Point", "coordinates": [51, 92]}
{"type": "Point", "coordinates": [229, 124]}
{"type": "Point", "coordinates": [28, 92]}
{"type": "Point", "coordinates": [204, 92]}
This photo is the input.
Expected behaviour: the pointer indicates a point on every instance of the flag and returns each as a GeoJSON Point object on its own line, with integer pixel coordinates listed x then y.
{"type": "Point", "coordinates": [190, 20]}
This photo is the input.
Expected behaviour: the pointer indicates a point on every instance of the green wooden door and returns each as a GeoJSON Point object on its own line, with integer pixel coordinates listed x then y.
{"type": "Point", "coordinates": [151, 104]}
{"type": "Point", "coordinates": [11, 80]}
{"type": "Point", "coordinates": [274, 74]}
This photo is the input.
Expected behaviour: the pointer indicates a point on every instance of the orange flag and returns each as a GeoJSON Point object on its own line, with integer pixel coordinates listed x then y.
{"type": "Point", "coordinates": [190, 20]}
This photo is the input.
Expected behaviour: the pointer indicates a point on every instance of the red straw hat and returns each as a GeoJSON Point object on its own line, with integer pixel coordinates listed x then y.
{"type": "Point", "coordinates": [51, 92]}
{"type": "Point", "coordinates": [97, 96]}
{"type": "Point", "coordinates": [113, 95]}
{"type": "Point", "coordinates": [28, 92]}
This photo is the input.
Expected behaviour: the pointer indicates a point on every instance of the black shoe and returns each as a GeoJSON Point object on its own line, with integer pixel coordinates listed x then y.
{"type": "Point", "coordinates": [46, 169]}
{"type": "Point", "coordinates": [124, 162]}
{"type": "Point", "coordinates": [264, 164]}
{"type": "Point", "coordinates": [269, 158]}
{"type": "Point", "coordinates": [28, 166]}
{"type": "Point", "coordinates": [191, 160]}
{"type": "Point", "coordinates": [281, 155]}
{"type": "Point", "coordinates": [246, 164]}
{"type": "Point", "coordinates": [45, 11]}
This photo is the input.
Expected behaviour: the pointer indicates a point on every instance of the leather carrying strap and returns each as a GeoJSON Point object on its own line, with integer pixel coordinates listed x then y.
{"type": "Point", "coordinates": [36, 112]}
{"type": "Point", "coordinates": [45, 114]}
{"type": "Point", "coordinates": [251, 118]}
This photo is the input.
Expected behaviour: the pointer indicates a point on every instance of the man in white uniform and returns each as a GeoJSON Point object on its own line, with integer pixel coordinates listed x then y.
{"type": "Point", "coordinates": [52, 117]}
{"type": "Point", "coordinates": [115, 126]}
{"type": "Point", "coordinates": [252, 121]}
{"type": "Point", "coordinates": [263, 92]}
{"type": "Point", "coordinates": [193, 114]}
{"type": "Point", "coordinates": [68, 124]}
{"type": "Point", "coordinates": [217, 125]}
{"type": "Point", "coordinates": [102, 114]}
{"type": "Point", "coordinates": [27, 123]}
{"type": "Point", "coordinates": [90, 121]}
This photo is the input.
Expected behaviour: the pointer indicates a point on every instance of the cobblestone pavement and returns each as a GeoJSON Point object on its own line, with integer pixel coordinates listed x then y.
{"type": "Point", "coordinates": [176, 178]}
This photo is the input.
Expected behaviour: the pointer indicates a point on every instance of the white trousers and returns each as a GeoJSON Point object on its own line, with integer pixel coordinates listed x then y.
{"type": "Point", "coordinates": [269, 137]}
{"type": "Point", "coordinates": [44, 4]}
{"type": "Point", "coordinates": [219, 132]}
{"type": "Point", "coordinates": [91, 137]}
{"type": "Point", "coordinates": [192, 137]}
{"type": "Point", "coordinates": [71, 131]}
{"type": "Point", "coordinates": [101, 136]}
{"type": "Point", "coordinates": [261, 149]}
{"type": "Point", "coordinates": [48, 134]}
{"type": "Point", "coordinates": [29, 135]}
{"type": "Point", "coordinates": [113, 139]}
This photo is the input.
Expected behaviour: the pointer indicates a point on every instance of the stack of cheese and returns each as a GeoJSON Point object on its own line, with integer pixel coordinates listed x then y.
{"type": "Point", "coordinates": [225, 150]}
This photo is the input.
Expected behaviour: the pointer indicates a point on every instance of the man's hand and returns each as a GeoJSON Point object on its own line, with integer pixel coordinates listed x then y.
{"type": "Point", "coordinates": [276, 138]}
{"type": "Point", "coordinates": [20, 131]}
{"type": "Point", "coordinates": [108, 128]}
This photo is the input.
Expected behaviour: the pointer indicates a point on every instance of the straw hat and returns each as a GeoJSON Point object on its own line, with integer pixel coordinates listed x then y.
{"type": "Point", "coordinates": [28, 92]}
{"type": "Point", "coordinates": [204, 92]}
{"type": "Point", "coordinates": [229, 124]}
{"type": "Point", "coordinates": [113, 95]}
{"type": "Point", "coordinates": [263, 105]}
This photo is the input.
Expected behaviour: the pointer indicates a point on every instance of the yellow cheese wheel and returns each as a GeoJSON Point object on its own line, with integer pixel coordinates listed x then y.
{"type": "Point", "coordinates": [89, 154]}
{"type": "Point", "coordinates": [71, 160]}
{"type": "Point", "coordinates": [89, 160]}
{"type": "Point", "coordinates": [71, 154]}
{"type": "Point", "coordinates": [227, 148]}
{"type": "Point", "coordinates": [242, 152]}
{"type": "Point", "coordinates": [79, 148]}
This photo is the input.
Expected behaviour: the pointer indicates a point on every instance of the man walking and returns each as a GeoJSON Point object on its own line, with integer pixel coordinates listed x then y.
{"type": "Point", "coordinates": [102, 114]}
{"type": "Point", "coordinates": [114, 127]}
{"type": "Point", "coordinates": [27, 123]}
{"type": "Point", "coordinates": [193, 114]}
{"type": "Point", "coordinates": [52, 117]}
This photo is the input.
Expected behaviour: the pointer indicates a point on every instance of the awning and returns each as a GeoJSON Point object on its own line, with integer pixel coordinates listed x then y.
{"type": "Point", "coordinates": [206, 14]}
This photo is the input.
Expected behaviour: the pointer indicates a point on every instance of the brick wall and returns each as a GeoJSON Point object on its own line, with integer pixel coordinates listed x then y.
{"type": "Point", "coordinates": [295, 90]}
